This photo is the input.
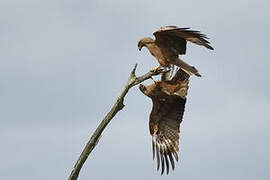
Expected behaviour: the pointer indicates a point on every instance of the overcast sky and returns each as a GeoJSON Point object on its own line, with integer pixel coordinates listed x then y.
{"type": "Point", "coordinates": [63, 64]}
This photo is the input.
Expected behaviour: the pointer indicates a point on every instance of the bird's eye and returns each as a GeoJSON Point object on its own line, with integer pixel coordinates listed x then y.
{"type": "Point", "coordinates": [142, 87]}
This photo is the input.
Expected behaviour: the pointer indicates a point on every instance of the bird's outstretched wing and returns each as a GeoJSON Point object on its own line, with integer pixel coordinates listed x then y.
{"type": "Point", "coordinates": [174, 38]}
{"type": "Point", "coordinates": [165, 119]}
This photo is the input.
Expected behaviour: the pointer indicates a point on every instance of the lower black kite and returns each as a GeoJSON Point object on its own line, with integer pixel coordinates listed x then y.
{"type": "Point", "coordinates": [169, 99]}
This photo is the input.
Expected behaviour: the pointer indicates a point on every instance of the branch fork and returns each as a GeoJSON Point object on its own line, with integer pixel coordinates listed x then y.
{"type": "Point", "coordinates": [118, 105]}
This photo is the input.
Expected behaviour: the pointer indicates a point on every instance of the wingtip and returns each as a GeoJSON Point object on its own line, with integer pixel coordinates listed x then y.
{"type": "Point", "coordinates": [210, 47]}
{"type": "Point", "coordinates": [157, 154]}
{"type": "Point", "coordinates": [198, 74]}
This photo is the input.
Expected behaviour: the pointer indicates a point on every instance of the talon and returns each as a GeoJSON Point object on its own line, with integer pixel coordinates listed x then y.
{"type": "Point", "coordinates": [156, 69]}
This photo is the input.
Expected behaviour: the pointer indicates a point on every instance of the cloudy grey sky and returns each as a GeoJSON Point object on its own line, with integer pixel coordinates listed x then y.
{"type": "Point", "coordinates": [63, 63]}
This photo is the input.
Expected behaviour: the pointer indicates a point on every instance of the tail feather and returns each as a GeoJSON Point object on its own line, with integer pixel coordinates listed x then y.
{"type": "Point", "coordinates": [185, 66]}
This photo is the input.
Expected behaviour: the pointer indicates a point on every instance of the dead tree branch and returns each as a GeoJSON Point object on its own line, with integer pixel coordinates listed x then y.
{"type": "Point", "coordinates": [118, 105]}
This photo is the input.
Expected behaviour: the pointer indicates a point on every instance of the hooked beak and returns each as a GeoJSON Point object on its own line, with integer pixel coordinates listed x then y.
{"type": "Point", "coordinates": [140, 46]}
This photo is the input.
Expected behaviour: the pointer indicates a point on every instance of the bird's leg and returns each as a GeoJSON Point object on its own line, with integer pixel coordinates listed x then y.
{"type": "Point", "coordinates": [156, 69]}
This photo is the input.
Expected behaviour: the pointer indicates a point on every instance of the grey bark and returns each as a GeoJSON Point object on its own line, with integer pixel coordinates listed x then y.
{"type": "Point", "coordinates": [118, 105]}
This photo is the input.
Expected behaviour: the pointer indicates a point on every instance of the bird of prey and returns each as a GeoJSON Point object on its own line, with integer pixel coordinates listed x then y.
{"type": "Point", "coordinates": [169, 99]}
{"type": "Point", "coordinates": [171, 42]}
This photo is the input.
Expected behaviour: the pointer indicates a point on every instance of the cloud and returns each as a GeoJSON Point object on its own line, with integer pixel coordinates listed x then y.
{"type": "Point", "coordinates": [63, 63]}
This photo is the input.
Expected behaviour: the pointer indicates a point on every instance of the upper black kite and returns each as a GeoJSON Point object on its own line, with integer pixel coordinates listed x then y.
{"type": "Point", "coordinates": [171, 42]}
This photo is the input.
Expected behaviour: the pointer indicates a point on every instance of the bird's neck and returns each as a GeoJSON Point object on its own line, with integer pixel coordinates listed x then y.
{"type": "Point", "coordinates": [151, 45]}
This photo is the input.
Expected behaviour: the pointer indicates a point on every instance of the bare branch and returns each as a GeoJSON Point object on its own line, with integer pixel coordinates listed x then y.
{"type": "Point", "coordinates": [118, 105]}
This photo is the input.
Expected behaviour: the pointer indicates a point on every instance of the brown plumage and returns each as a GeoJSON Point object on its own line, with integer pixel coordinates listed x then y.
{"type": "Point", "coordinates": [169, 98]}
{"type": "Point", "coordinates": [171, 42]}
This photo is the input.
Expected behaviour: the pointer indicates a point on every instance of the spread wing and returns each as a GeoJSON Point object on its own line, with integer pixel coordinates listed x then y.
{"type": "Point", "coordinates": [165, 119]}
{"type": "Point", "coordinates": [175, 39]}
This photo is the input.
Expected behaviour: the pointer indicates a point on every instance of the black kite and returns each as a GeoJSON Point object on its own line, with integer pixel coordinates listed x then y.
{"type": "Point", "coordinates": [169, 99]}
{"type": "Point", "coordinates": [171, 42]}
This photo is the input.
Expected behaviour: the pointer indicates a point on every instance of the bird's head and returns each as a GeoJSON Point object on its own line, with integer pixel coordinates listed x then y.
{"type": "Point", "coordinates": [150, 90]}
{"type": "Point", "coordinates": [142, 88]}
{"type": "Point", "coordinates": [144, 41]}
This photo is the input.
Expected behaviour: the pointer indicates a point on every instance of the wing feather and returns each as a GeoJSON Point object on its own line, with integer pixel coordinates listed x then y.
{"type": "Point", "coordinates": [171, 160]}
{"type": "Point", "coordinates": [174, 38]}
{"type": "Point", "coordinates": [166, 160]}
{"type": "Point", "coordinates": [162, 158]}
{"type": "Point", "coordinates": [153, 147]}
{"type": "Point", "coordinates": [157, 152]}
{"type": "Point", "coordinates": [166, 138]}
